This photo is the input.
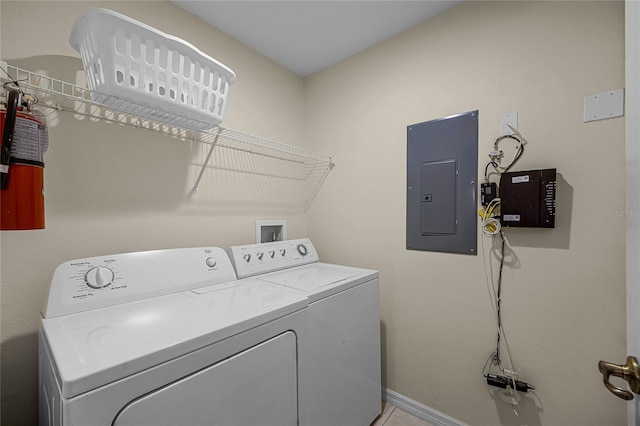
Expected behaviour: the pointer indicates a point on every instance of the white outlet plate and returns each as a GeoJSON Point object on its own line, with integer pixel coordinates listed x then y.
{"type": "Point", "coordinates": [609, 104]}
{"type": "Point", "coordinates": [508, 118]}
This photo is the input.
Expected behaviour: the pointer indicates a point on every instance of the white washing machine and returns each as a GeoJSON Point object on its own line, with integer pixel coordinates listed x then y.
{"type": "Point", "coordinates": [168, 337]}
{"type": "Point", "coordinates": [341, 372]}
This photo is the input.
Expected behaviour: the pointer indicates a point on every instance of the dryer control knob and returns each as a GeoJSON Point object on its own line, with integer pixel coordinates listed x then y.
{"type": "Point", "coordinates": [99, 277]}
{"type": "Point", "coordinates": [247, 257]}
{"type": "Point", "coordinates": [211, 262]}
{"type": "Point", "coordinates": [283, 252]}
{"type": "Point", "coordinates": [302, 249]}
{"type": "Point", "coordinates": [260, 255]}
{"type": "Point", "coordinates": [272, 253]}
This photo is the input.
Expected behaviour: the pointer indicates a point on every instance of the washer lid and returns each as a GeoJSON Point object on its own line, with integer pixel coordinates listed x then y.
{"type": "Point", "coordinates": [94, 348]}
{"type": "Point", "coordinates": [320, 278]}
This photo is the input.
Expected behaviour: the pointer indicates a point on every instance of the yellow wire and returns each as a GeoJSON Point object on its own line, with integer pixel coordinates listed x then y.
{"type": "Point", "coordinates": [489, 213]}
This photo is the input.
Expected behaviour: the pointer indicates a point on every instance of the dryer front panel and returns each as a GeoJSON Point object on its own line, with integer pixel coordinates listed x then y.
{"type": "Point", "coordinates": [257, 387]}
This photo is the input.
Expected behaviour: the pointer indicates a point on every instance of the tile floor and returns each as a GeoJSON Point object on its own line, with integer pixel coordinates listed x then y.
{"type": "Point", "coordinates": [393, 416]}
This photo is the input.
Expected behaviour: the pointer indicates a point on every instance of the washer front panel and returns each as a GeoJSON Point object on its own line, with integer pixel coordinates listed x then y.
{"type": "Point", "coordinates": [343, 363]}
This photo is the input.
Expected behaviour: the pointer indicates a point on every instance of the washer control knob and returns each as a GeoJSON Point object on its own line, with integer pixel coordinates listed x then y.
{"type": "Point", "coordinates": [247, 257]}
{"type": "Point", "coordinates": [211, 262]}
{"type": "Point", "coordinates": [283, 252]}
{"type": "Point", "coordinates": [99, 277]}
{"type": "Point", "coordinates": [260, 254]}
{"type": "Point", "coordinates": [272, 253]}
{"type": "Point", "coordinates": [302, 249]}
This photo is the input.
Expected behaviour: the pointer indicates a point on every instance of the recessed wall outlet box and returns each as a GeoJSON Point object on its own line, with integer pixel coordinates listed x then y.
{"type": "Point", "coordinates": [609, 104]}
{"type": "Point", "coordinates": [268, 231]}
{"type": "Point", "coordinates": [508, 119]}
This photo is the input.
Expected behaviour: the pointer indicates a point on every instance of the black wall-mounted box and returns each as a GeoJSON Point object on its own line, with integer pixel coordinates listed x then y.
{"type": "Point", "coordinates": [528, 198]}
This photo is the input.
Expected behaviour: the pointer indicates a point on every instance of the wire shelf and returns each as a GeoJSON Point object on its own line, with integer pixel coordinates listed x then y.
{"type": "Point", "coordinates": [65, 96]}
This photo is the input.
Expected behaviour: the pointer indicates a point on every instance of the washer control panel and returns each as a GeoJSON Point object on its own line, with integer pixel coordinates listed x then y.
{"type": "Point", "coordinates": [256, 259]}
{"type": "Point", "coordinates": [96, 282]}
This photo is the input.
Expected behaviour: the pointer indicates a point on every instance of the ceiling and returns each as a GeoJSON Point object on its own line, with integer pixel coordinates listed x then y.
{"type": "Point", "coordinates": [308, 36]}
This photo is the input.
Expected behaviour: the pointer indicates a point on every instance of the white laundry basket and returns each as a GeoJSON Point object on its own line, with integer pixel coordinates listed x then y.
{"type": "Point", "coordinates": [134, 68]}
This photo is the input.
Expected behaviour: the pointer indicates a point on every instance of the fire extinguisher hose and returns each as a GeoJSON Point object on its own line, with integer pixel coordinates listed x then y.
{"type": "Point", "coordinates": [13, 100]}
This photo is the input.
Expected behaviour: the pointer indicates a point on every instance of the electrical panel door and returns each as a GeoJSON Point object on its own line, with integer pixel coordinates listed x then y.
{"type": "Point", "coordinates": [442, 168]}
{"type": "Point", "coordinates": [438, 192]}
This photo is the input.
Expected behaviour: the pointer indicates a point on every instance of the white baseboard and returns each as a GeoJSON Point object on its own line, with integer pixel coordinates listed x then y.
{"type": "Point", "coordinates": [419, 410]}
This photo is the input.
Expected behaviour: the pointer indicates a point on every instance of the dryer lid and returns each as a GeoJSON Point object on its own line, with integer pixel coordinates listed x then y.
{"type": "Point", "coordinates": [97, 347]}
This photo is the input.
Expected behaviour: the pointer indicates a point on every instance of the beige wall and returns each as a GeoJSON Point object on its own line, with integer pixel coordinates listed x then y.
{"type": "Point", "coordinates": [112, 189]}
{"type": "Point", "coordinates": [564, 289]}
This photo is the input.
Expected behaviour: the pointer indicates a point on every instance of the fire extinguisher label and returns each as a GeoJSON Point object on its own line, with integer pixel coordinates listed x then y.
{"type": "Point", "coordinates": [29, 149]}
{"type": "Point", "coordinates": [44, 130]}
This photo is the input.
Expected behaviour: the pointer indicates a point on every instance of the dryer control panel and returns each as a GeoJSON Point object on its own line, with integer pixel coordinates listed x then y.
{"type": "Point", "coordinates": [257, 259]}
{"type": "Point", "coordinates": [96, 282]}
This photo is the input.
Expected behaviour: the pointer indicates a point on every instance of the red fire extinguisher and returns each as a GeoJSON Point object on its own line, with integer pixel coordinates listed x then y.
{"type": "Point", "coordinates": [21, 165]}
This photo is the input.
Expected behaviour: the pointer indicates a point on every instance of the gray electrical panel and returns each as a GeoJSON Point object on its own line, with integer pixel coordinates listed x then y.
{"type": "Point", "coordinates": [442, 168]}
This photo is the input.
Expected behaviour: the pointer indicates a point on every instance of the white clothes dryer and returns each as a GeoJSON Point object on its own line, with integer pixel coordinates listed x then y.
{"type": "Point", "coordinates": [168, 337]}
{"type": "Point", "coordinates": [341, 371]}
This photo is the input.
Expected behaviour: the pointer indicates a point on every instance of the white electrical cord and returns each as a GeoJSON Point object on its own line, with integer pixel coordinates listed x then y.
{"type": "Point", "coordinates": [491, 227]}
{"type": "Point", "coordinates": [512, 372]}
{"type": "Point", "coordinates": [496, 154]}
{"type": "Point", "coordinates": [494, 300]}
{"type": "Point", "coordinates": [491, 231]}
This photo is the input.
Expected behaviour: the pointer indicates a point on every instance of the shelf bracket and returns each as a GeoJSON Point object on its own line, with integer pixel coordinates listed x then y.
{"type": "Point", "coordinates": [206, 161]}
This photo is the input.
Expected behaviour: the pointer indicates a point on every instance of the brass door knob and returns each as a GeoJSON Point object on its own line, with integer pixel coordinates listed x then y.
{"type": "Point", "coordinates": [629, 372]}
